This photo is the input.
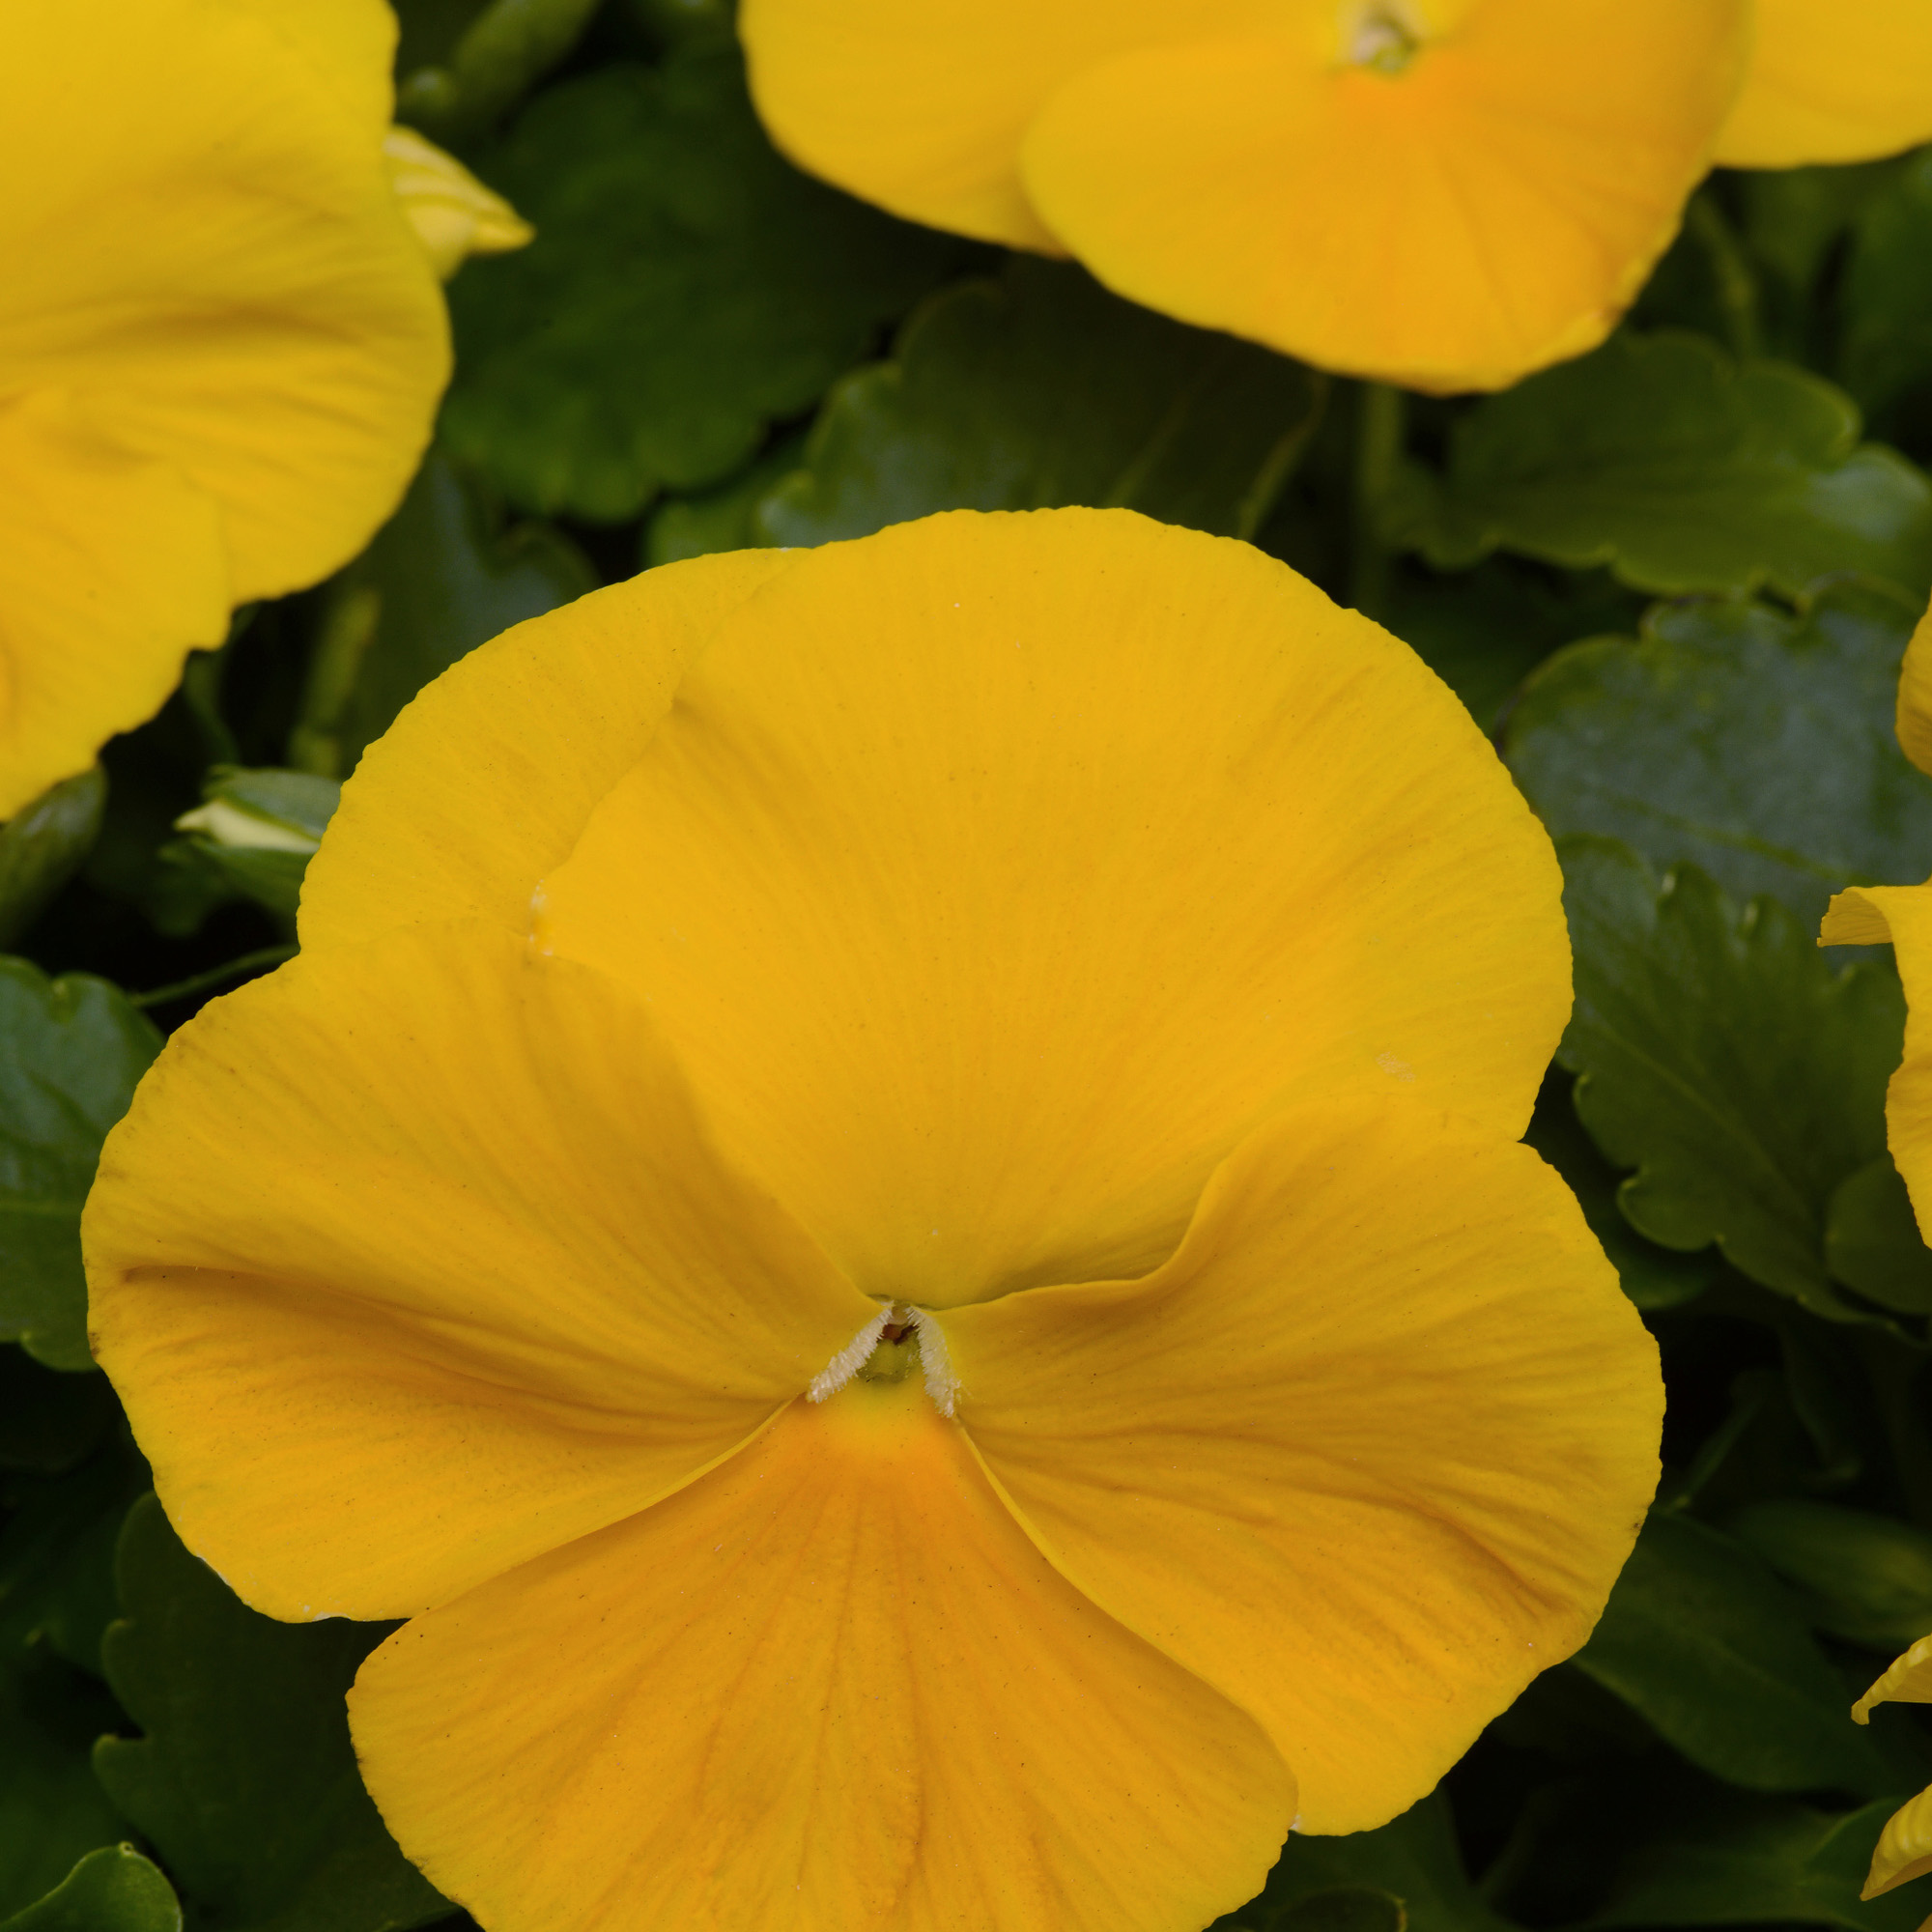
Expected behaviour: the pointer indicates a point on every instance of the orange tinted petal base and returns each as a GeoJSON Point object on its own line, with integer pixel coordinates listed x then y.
{"type": "Point", "coordinates": [828, 1686]}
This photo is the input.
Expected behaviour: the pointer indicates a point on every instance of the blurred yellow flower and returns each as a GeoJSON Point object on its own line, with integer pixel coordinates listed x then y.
{"type": "Point", "coordinates": [1844, 82]}
{"type": "Point", "coordinates": [453, 214]}
{"type": "Point", "coordinates": [1905, 1846]}
{"type": "Point", "coordinates": [1446, 194]}
{"type": "Point", "coordinates": [220, 345]}
{"type": "Point", "coordinates": [887, 1202]}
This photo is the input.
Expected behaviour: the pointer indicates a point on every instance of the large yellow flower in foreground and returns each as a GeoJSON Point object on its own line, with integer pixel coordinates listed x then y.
{"type": "Point", "coordinates": [886, 1201]}
{"type": "Point", "coordinates": [1448, 193]}
{"type": "Point", "coordinates": [220, 343]}
{"type": "Point", "coordinates": [1843, 82]}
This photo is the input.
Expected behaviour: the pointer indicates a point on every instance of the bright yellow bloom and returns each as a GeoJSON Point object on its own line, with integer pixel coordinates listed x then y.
{"type": "Point", "coordinates": [454, 214]}
{"type": "Point", "coordinates": [1447, 193]}
{"type": "Point", "coordinates": [1904, 1848]}
{"type": "Point", "coordinates": [886, 1201]}
{"type": "Point", "coordinates": [220, 345]}
{"type": "Point", "coordinates": [1843, 82]}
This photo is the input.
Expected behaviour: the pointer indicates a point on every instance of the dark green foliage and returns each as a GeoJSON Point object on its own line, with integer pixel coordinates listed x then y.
{"type": "Point", "coordinates": [112, 1889]}
{"type": "Point", "coordinates": [70, 1051]}
{"type": "Point", "coordinates": [244, 1778]}
{"type": "Point", "coordinates": [44, 846]}
{"type": "Point", "coordinates": [686, 289]}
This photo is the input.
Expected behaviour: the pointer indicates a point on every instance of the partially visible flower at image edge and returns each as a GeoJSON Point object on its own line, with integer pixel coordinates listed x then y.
{"type": "Point", "coordinates": [887, 1202]}
{"type": "Point", "coordinates": [221, 345]}
{"type": "Point", "coordinates": [1905, 1846]}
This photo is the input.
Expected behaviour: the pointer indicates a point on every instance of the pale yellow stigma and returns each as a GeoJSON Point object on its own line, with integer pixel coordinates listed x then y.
{"type": "Point", "coordinates": [896, 1340]}
{"type": "Point", "coordinates": [1382, 40]}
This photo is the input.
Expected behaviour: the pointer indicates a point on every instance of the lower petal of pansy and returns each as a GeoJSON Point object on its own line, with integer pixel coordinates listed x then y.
{"type": "Point", "coordinates": [1872, 916]}
{"type": "Point", "coordinates": [829, 1688]}
{"type": "Point", "coordinates": [991, 876]}
{"type": "Point", "coordinates": [1366, 1454]}
{"type": "Point", "coordinates": [112, 571]}
{"type": "Point", "coordinates": [1445, 205]}
{"type": "Point", "coordinates": [484, 782]}
{"type": "Point", "coordinates": [412, 1263]}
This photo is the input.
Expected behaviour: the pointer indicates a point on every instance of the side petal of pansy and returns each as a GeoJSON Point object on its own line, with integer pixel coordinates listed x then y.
{"type": "Point", "coordinates": [91, 634]}
{"type": "Point", "coordinates": [1846, 82]}
{"type": "Point", "coordinates": [1445, 195]}
{"type": "Point", "coordinates": [1366, 1455]}
{"type": "Point", "coordinates": [1904, 1849]}
{"type": "Point", "coordinates": [227, 282]}
{"type": "Point", "coordinates": [350, 44]}
{"type": "Point", "coordinates": [922, 109]}
{"type": "Point", "coordinates": [1900, 916]}
{"type": "Point", "coordinates": [484, 782]}
{"type": "Point", "coordinates": [412, 1263]}
{"type": "Point", "coordinates": [1914, 715]}
{"type": "Point", "coordinates": [994, 874]}
{"type": "Point", "coordinates": [830, 1686]}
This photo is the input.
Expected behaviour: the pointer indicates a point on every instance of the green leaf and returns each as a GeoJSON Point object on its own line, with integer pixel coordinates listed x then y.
{"type": "Point", "coordinates": [1412, 1859]}
{"type": "Point", "coordinates": [1784, 1863]}
{"type": "Point", "coordinates": [1862, 1576]}
{"type": "Point", "coordinates": [724, 518]}
{"type": "Point", "coordinates": [1872, 1241]}
{"type": "Point", "coordinates": [1040, 390]}
{"type": "Point", "coordinates": [253, 834]}
{"type": "Point", "coordinates": [1679, 469]}
{"type": "Point", "coordinates": [245, 1780]}
{"type": "Point", "coordinates": [1701, 1639]}
{"type": "Point", "coordinates": [1757, 745]}
{"type": "Point", "coordinates": [1653, 1277]}
{"type": "Point", "coordinates": [114, 1889]}
{"type": "Point", "coordinates": [43, 844]}
{"type": "Point", "coordinates": [1885, 357]}
{"type": "Point", "coordinates": [70, 1051]}
{"type": "Point", "coordinates": [686, 288]}
{"type": "Point", "coordinates": [52, 1810]}
{"type": "Point", "coordinates": [48, 1421]}
{"type": "Point", "coordinates": [1724, 1059]}
{"type": "Point", "coordinates": [439, 580]}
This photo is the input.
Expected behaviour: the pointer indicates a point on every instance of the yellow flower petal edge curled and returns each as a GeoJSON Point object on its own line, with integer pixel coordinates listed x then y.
{"type": "Point", "coordinates": [1846, 82]}
{"type": "Point", "coordinates": [220, 344]}
{"type": "Point", "coordinates": [453, 214]}
{"type": "Point", "coordinates": [1904, 1848]}
{"type": "Point", "coordinates": [1445, 193]}
{"type": "Point", "coordinates": [885, 1203]}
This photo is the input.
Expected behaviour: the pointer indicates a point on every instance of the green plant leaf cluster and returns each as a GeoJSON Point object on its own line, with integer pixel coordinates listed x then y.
{"type": "Point", "coordinates": [1673, 579]}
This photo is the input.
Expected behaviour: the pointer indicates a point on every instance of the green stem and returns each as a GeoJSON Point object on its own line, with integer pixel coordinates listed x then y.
{"type": "Point", "coordinates": [1731, 269]}
{"type": "Point", "coordinates": [201, 982]}
{"type": "Point", "coordinates": [1379, 449]}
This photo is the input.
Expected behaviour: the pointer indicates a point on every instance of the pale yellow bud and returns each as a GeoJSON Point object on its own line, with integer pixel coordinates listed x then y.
{"type": "Point", "coordinates": [454, 214]}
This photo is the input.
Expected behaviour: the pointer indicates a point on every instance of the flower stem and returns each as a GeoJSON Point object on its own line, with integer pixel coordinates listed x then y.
{"type": "Point", "coordinates": [201, 982]}
{"type": "Point", "coordinates": [1378, 446]}
{"type": "Point", "coordinates": [1732, 272]}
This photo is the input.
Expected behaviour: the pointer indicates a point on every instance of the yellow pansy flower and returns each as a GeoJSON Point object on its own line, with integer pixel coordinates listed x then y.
{"type": "Point", "coordinates": [1845, 82]}
{"type": "Point", "coordinates": [1446, 194]}
{"type": "Point", "coordinates": [1904, 1848]}
{"type": "Point", "coordinates": [220, 344]}
{"type": "Point", "coordinates": [886, 1201]}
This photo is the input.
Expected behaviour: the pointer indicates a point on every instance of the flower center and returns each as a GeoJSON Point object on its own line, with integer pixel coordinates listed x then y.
{"type": "Point", "coordinates": [1382, 40]}
{"type": "Point", "coordinates": [897, 1339]}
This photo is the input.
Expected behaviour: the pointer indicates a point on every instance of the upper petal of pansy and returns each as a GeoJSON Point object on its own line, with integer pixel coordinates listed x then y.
{"type": "Point", "coordinates": [350, 44]}
{"type": "Point", "coordinates": [112, 570]}
{"type": "Point", "coordinates": [1846, 82]}
{"type": "Point", "coordinates": [1366, 1455]}
{"type": "Point", "coordinates": [412, 1263]}
{"type": "Point", "coordinates": [219, 269]}
{"type": "Point", "coordinates": [484, 782]}
{"type": "Point", "coordinates": [828, 1686]}
{"type": "Point", "coordinates": [992, 875]}
{"type": "Point", "coordinates": [1447, 195]}
{"type": "Point", "coordinates": [922, 109]}
{"type": "Point", "coordinates": [1901, 915]}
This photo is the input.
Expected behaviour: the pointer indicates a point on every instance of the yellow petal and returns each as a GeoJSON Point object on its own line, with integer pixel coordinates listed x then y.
{"type": "Point", "coordinates": [412, 1263]}
{"type": "Point", "coordinates": [1915, 697]}
{"type": "Point", "coordinates": [1904, 1849]}
{"type": "Point", "coordinates": [483, 783]}
{"type": "Point", "coordinates": [992, 875]}
{"type": "Point", "coordinates": [1844, 82]}
{"type": "Point", "coordinates": [1869, 916]}
{"type": "Point", "coordinates": [453, 214]}
{"type": "Point", "coordinates": [1489, 208]}
{"type": "Point", "coordinates": [1366, 1455]}
{"type": "Point", "coordinates": [350, 44]}
{"type": "Point", "coordinates": [1906, 1680]}
{"type": "Point", "coordinates": [220, 273]}
{"type": "Point", "coordinates": [110, 572]}
{"type": "Point", "coordinates": [922, 109]}
{"type": "Point", "coordinates": [828, 1686]}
